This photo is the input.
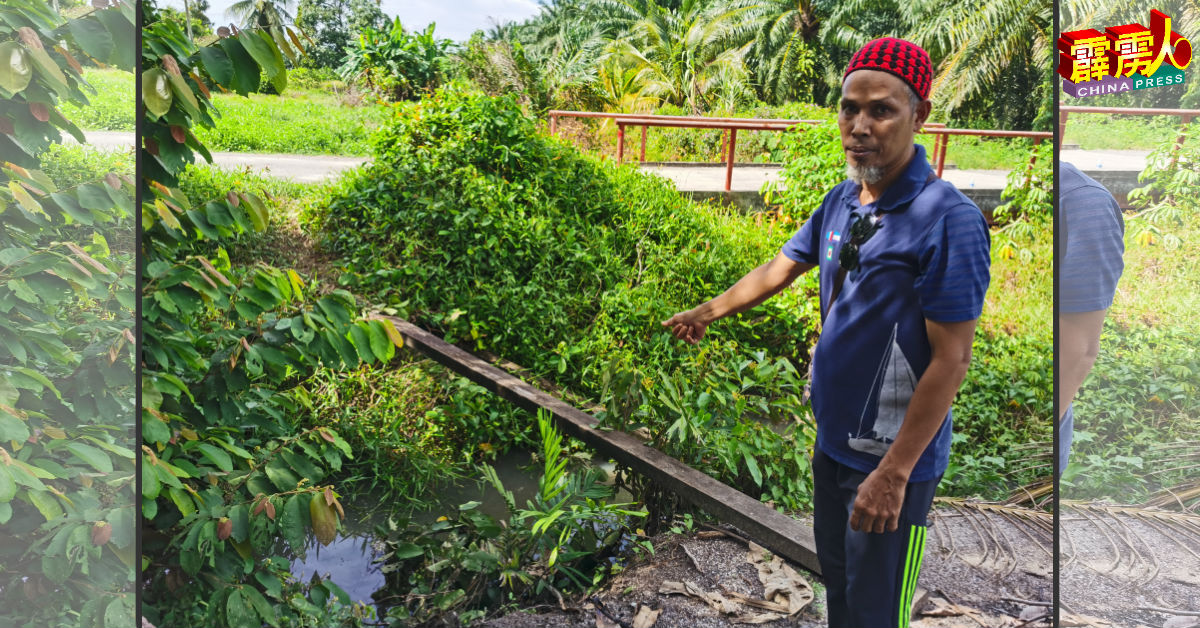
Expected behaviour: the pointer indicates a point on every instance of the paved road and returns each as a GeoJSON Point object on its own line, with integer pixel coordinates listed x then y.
{"type": "Point", "coordinates": [299, 168]}
{"type": "Point", "coordinates": [687, 177]}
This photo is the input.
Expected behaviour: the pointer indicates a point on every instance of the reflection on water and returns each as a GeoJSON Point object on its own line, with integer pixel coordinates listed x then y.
{"type": "Point", "coordinates": [349, 560]}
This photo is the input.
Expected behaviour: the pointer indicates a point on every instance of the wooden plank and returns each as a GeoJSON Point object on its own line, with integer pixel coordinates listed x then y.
{"type": "Point", "coordinates": [768, 527]}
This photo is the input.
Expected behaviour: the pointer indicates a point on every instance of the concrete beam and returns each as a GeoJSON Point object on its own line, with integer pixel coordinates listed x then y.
{"type": "Point", "coordinates": [768, 527]}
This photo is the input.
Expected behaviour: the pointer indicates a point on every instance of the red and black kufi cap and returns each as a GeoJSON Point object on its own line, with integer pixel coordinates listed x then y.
{"type": "Point", "coordinates": [898, 57]}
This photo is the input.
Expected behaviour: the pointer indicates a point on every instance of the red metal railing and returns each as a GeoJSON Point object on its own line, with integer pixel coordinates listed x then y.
{"type": "Point", "coordinates": [1185, 117]}
{"type": "Point", "coordinates": [731, 126]}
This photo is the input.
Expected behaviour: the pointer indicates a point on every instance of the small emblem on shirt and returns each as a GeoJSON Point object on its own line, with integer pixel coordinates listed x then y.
{"type": "Point", "coordinates": [831, 237]}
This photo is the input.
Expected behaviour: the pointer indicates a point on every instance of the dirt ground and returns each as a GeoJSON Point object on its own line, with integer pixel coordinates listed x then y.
{"type": "Point", "coordinates": [1131, 566]}
{"type": "Point", "coordinates": [980, 569]}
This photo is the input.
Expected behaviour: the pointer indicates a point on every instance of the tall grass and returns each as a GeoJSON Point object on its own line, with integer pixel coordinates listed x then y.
{"type": "Point", "coordinates": [111, 108]}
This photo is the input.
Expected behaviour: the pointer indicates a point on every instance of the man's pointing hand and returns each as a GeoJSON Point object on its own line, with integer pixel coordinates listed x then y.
{"type": "Point", "coordinates": [687, 326]}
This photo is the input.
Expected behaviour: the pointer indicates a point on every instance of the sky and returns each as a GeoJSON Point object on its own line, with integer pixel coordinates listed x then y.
{"type": "Point", "coordinates": [455, 19]}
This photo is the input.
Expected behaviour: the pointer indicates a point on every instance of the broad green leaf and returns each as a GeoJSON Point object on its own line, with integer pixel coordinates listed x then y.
{"type": "Point", "coordinates": [48, 69]}
{"type": "Point", "coordinates": [281, 476]}
{"type": "Point", "coordinates": [154, 430]}
{"type": "Point", "coordinates": [12, 428]}
{"type": "Point", "coordinates": [362, 343]}
{"type": "Point", "coordinates": [92, 613]}
{"type": "Point", "coordinates": [282, 43]}
{"type": "Point", "coordinates": [239, 612]}
{"type": "Point", "coordinates": [752, 465]}
{"type": "Point", "coordinates": [245, 70]}
{"type": "Point", "coordinates": [45, 503]}
{"type": "Point", "coordinates": [15, 71]}
{"type": "Point", "coordinates": [5, 512]}
{"type": "Point", "coordinates": [324, 519]}
{"type": "Point", "coordinates": [217, 64]}
{"type": "Point", "coordinates": [123, 526]}
{"type": "Point", "coordinates": [261, 48]}
{"type": "Point", "coordinates": [56, 568]}
{"type": "Point", "coordinates": [217, 456]}
{"type": "Point", "coordinates": [8, 488]}
{"type": "Point", "coordinates": [91, 456]}
{"type": "Point", "coordinates": [270, 583]}
{"type": "Point", "coordinates": [259, 215]}
{"type": "Point", "coordinates": [407, 550]}
{"type": "Point", "coordinates": [265, 610]}
{"type": "Point", "coordinates": [92, 37]}
{"type": "Point", "coordinates": [239, 515]}
{"type": "Point", "coordinates": [301, 465]}
{"type": "Point", "coordinates": [182, 501]}
{"type": "Point", "coordinates": [291, 523]}
{"type": "Point", "coordinates": [191, 560]}
{"type": "Point", "coordinates": [381, 345]}
{"type": "Point", "coordinates": [119, 613]}
{"type": "Point", "coordinates": [183, 91]}
{"type": "Point", "coordinates": [119, 22]}
{"type": "Point", "coordinates": [156, 94]}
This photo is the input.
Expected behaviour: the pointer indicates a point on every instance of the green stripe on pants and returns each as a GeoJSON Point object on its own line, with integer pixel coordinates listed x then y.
{"type": "Point", "coordinates": [912, 569]}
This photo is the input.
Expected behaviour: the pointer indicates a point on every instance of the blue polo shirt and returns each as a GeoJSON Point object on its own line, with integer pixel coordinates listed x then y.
{"type": "Point", "coordinates": [1093, 234]}
{"type": "Point", "coordinates": [928, 260]}
{"type": "Point", "coordinates": [1092, 231]}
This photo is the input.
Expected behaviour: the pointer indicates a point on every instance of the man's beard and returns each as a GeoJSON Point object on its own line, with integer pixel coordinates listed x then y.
{"type": "Point", "coordinates": [864, 175]}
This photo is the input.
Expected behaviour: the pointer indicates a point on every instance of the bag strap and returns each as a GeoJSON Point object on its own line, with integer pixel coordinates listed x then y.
{"type": "Point", "coordinates": [840, 278]}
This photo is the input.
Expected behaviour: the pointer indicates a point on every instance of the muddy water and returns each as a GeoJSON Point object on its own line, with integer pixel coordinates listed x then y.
{"type": "Point", "coordinates": [349, 559]}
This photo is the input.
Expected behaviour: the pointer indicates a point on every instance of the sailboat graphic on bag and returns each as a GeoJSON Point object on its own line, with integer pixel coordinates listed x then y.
{"type": "Point", "coordinates": [891, 391]}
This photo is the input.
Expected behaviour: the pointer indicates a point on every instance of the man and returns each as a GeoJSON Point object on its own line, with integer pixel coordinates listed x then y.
{"type": "Point", "coordinates": [1093, 235]}
{"type": "Point", "coordinates": [903, 265]}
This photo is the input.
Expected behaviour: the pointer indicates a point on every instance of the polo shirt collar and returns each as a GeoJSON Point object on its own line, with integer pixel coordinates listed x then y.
{"type": "Point", "coordinates": [905, 188]}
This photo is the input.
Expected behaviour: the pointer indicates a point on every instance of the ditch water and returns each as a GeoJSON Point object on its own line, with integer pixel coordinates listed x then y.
{"type": "Point", "coordinates": [349, 561]}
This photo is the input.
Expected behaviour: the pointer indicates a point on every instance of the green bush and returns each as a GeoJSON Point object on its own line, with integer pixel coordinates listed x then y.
{"type": "Point", "coordinates": [478, 227]}
{"type": "Point", "coordinates": [69, 165]}
{"type": "Point", "coordinates": [1140, 395]}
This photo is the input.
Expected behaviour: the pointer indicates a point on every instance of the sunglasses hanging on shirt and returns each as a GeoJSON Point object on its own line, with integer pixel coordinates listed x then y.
{"type": "Point", "coordinates": [861, 230]}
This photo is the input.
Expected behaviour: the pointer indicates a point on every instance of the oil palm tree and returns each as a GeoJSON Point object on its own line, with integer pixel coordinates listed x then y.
{"type": "Point", "coordinates": [681, 55]}
{"type": "Point", "coordinates": [799, 46]}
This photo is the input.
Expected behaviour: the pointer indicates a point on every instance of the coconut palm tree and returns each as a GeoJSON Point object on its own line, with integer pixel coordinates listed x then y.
{"type": "Point", "coordinates": [261, 13]}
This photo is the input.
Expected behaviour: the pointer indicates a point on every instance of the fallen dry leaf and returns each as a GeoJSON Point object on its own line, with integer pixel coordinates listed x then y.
{"type": "Point", "coordinates": [645, 617]}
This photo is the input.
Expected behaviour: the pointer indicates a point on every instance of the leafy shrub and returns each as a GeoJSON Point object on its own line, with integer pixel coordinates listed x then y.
{"type": "Point", "coordinates": [1028, 206]}
{"type": "Point", "coordinates": [231, 471]}
{"type": "Point", "coordinates": [67, 524]}
{"type": "Point", "coordinates": [474, 225]}
{"type": "Point", "coordinates": [70, 165]}
{"type": "Point", "coordinates": [311, 78]}
{"type": "Point", "coordinates": [741, 422]}
{"type": "Point", "coordinates": [417, 428]}
{"type": "Point", "coordinates": [1140, 395]}
{"type": "Point", "coordinates": [816, 163]}
{"type": "Point", "coordinates": [1172, 173]}
{"type": "Point", "coordinates": [398, 65]}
